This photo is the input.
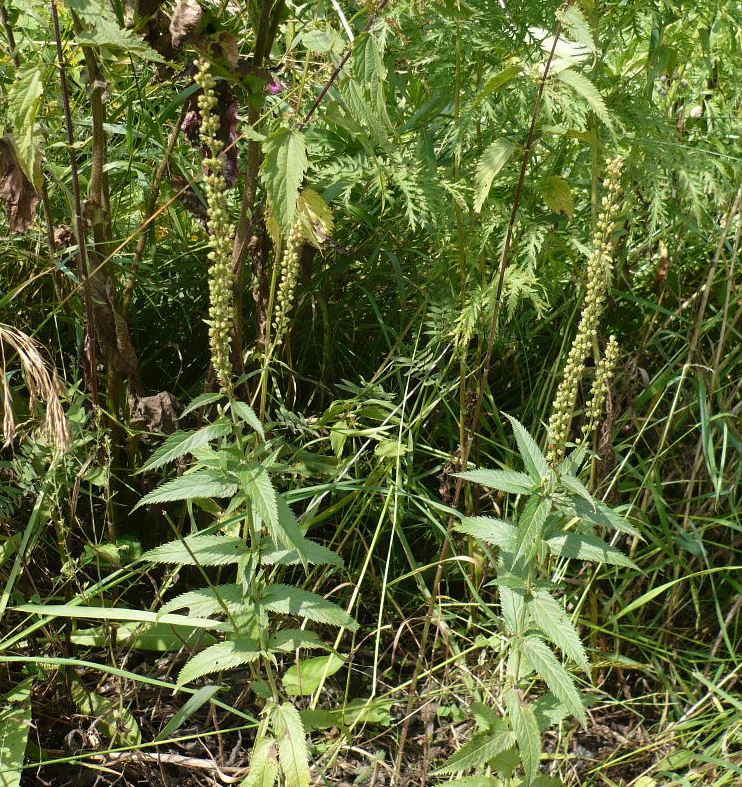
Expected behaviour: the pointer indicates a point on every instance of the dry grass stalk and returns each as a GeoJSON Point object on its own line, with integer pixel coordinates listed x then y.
{"type": "Point", "coordinates": [42, 383]}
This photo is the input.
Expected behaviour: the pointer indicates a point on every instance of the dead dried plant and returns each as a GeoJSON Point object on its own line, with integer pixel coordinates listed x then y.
{"type": "Point", "coordinates": [42, 384]}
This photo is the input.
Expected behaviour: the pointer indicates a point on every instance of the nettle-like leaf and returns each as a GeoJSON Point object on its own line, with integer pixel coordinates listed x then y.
{"type": "Point", "coordinates": [183, 443]}
{"type": "Point", "coordinates": [492, 531]}
{"type": "Point", "coordinates": [525, 729]}
{"type": "Point", "coordinates": [284, 164]}
{"type": "Point", "coordinates": [222, 656]}
{"type": "Point", "coordinates": [288, 640]}
{"type": "Point", "coordinates": [247, 414]}
{"type": "Point", "coordinates": [548, 615]}
{"type": "Point", "coordinates": [533, 459]}
{"type": "Point", "coordinates": [104, 31]}
{"type": "Point", "coordinates": [491, 162]}
{"type": "Point", "coordinates": [23, 102]}
{"type": "Point", "coordinates": [582, 546]}
{"type": "Point", "coordinates": [292, 745]}
{"type": "Point", "coordinates": [290, 600]}
{"type": "Point", "coordinates": [482, 748]}
{"type": "Point", "coordinates": [192, 486]}
{"type": "Point", "coordinates": [263, 764]}
{"type": "Point", "coordinates": [213, 550]}
{"type": "Point", "coordinates": [256, 485]}
{"type": "Point", "coordinates": [597, 513]}
{"type": "Point", "coordinates": [557, 678]}
{"type": "Point", "coordinates": [502, 480]}
{"type": "Point", "coordinates": [207, 601]}
{"type": "Point", "coordinates": [549, 711]}
{"type": "Point", "coordinates": [530, 526]}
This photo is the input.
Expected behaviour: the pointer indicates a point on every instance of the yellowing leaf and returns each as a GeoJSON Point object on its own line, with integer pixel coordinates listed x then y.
{"type": "Point", "coordinates": [557, 195]}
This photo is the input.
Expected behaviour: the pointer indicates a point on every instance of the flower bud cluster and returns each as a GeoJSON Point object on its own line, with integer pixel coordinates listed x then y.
{"type": "Point", "coordinates": [287, 283]}
{"type": "Point", "coordinates": [221, 231]}
{"type": "Point", "coordinates": [599, 389]}
{"type": "Point", "coordinates": [598, 276]}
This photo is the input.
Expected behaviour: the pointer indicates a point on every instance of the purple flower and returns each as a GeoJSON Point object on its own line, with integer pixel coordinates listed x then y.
{"type": "Point", "coordinates": [275, 86]}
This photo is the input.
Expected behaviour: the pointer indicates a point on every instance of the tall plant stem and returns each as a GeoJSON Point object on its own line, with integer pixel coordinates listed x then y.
{"type": "Point", "coordinates": [477, 414]}
{"type": "Point", "coordinates": [91, 363]}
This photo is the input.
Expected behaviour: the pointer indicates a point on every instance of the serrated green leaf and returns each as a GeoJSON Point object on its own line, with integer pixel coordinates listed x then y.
{"type": "Point", "coordinates": [573, 485]}
{"type": "Point", "coordinates": [284, 164]}
{"type": "Point", "coordinates": [577, 26]}
{"type": "Point", "coordinates": [202, 483]}
{"type": "Point", "coordinates": [558, 680]}
{"type": "Point", "coordinates": [526, 732]}
{"type": "Point", "coordinates": [474, 781]}
{"type": "Point", "coordinates": [263, 764]}
{"type": "Point", "coordinates": [503, 480]}
{"type": "Point", "coordinates": [22, 106]}
{"type": "Point", "coordinates": [491, 162]}
{"type": "Point", "coordinates": [247, 414]}
{"type": "Point", "coordinates": [203, 399]}
{"type": "Point", "coordinates": [492, 531]}
{"type": "Point", "coordinates": [105, 32]}
{"type": "Point", "coordinates": [530, 527]}
{"type": "Point", "coordinates": [548, 615]}
{"type": "Point", "coordinates": [587, 90]}
{"type": "Point", "coordinates": [306, 677]}
{"type": "Point", "coordinates": [15, 724]}
{"type": "Point", "coordinates": [586, 547]}
{"type": "Point", "coordinates": [479, 751]}
{"type": "Point", "coordinates": [222, 656]}
{"type": "Point", "coordinates": [535, 462]}
{"type": "Point", "coordinates": [601, 515]}
{"type": "Point", "coordinates": [211, 550]}
{"type": "Point", "coordinates": [292, 745]}
{"type": "Point", "coordinates": [207, 601]}
{"type": "Point", "coordinates": [256, 484]}
{"type": "Point", "coordinates": [182, 443]}
{"type": "Point", "coordinates": [290, 600]}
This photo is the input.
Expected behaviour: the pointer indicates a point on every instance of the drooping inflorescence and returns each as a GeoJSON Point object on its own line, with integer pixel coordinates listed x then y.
{"type": "Point", "coordinates": [221, 232]}
{"type": "Point", "coordinates": [598, 277]}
